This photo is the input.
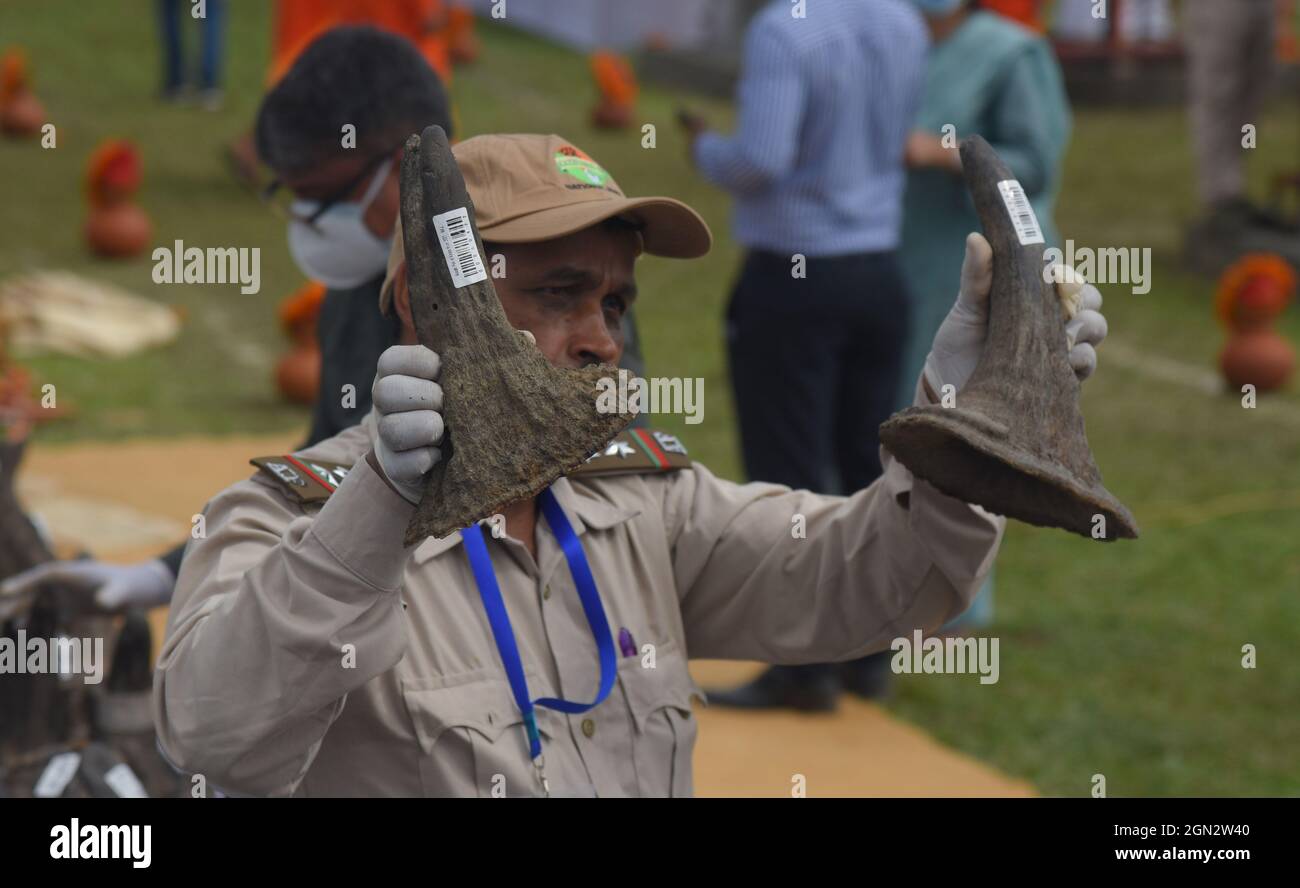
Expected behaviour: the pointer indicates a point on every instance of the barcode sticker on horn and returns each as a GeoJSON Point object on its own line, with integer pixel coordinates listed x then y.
{"type": "Point", "coordinates": [1021, 213]}
{"type": "Point", "coordinates": [458, 247]}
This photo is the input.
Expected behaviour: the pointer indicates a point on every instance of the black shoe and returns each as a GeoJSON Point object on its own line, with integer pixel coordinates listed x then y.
{"type": "Point", "coordinates": [870, 678]}
{"type": "Point", "coordinates": [783, 687]}
{"type": "Point", "coordinates": [1234, 228]}
{"type": "Point", "coordinates": [180, 94]}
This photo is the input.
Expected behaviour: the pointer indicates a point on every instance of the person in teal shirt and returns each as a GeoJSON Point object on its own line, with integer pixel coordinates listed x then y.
{"type": "Point", "coordinates": [986, 76]}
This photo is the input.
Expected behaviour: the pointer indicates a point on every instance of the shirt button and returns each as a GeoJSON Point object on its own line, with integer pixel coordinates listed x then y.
{"type": "Point", "coordinates": [588, 727]}
{"type": "Point", "coordinates": [546, 593]}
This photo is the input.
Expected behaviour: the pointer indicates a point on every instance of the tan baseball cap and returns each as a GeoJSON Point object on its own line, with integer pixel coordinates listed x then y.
{"type": "Point", "coordinates": [529, 188]}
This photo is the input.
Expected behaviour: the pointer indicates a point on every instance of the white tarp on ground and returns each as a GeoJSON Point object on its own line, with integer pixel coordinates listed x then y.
{"type": "Point", "coordinates": [623, 24]}
{"type": "Point", "coordinates": [57, 311]}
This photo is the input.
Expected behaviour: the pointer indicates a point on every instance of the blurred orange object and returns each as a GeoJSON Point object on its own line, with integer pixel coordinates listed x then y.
{"type": "Point", "coordinates": [618, 89]}
{"type": "Point", "coordinates": [1027, 12]}
{"type": "Point", "coordinates": [1288, 31]}
{"type": "Point", "coordinates": [462, 41]}
{"type": "Point", "coordinates": [299, 22]}
{"type": "Point", "coordinates": [1258, 357]}
{"type": "Point", "coordinates": [19, 411]}
{"type": "Point", "coordinates": [300, 309]}
{"type": "Point", "coordinates": [297, 373]}
{"type": "Point", "coordinates": [119, 231]}
{"type": "Point", "coordinates": [1254, 289]}
{"type": "Point", "coordinates": [115, 226]}
{"type": "Point", "coordinates": [296, 24]}
{"type": "Point", "coordinates": [113, 173]}
{"type": "Point", "coordinates": [423, 22]}
{"type": "Point", "coordinates": [1252, 293]}
{"type": "Point", "coordinates": [21, 113]}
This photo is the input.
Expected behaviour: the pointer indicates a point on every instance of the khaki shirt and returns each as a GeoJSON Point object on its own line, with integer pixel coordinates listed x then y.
{"type": "Point", "coordinates": [308, 653]}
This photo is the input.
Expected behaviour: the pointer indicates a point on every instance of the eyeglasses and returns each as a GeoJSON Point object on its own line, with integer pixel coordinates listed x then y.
{"type": "Point", "coordinates": [277, 196]}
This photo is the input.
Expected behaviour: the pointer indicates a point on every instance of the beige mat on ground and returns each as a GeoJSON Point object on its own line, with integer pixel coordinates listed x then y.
{"type": "Point", "coordinates": [57, 311]}
{"type": "Point", "coordinates": [131, 500]}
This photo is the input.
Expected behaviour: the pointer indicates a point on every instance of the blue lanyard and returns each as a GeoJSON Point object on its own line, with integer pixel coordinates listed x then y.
{"type": "Point", "coordinates": [481, 564]}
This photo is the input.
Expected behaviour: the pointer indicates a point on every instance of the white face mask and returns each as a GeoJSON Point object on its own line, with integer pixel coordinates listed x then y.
{"type": "Point", "coordinates": [339, 250]}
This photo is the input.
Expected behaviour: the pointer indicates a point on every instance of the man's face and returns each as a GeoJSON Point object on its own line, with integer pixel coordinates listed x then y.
{"type": "Point", "coordinates": [570, 293]}
{"type": "Point", "coordinates": [323, 181]}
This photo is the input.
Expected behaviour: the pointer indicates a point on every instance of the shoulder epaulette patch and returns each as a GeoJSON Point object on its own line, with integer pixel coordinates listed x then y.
{"type": "Point", "coordinates": [631, 452]}
{"type": "Point", "coordinates": [306, 480]}
{"type": "Point", "coordinates": [634, 451]}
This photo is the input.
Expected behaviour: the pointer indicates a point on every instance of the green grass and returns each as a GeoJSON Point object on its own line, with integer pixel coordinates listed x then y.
{"type": "Point", "coordinates": [1122, 660]}
{"type": "Point", "coordinates": [1125, 659]}
{"type": "Point", "coordinates": [96, 68]}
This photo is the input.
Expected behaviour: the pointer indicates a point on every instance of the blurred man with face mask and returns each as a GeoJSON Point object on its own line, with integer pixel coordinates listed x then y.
{"type": "Point", "coordinates": [332, 130]}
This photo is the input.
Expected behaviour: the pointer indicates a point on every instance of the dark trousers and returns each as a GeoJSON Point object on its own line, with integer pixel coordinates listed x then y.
{"type": "Point", "coordinates": [170, 13]}
{"type": "Point", "coordinates": [814, 368]}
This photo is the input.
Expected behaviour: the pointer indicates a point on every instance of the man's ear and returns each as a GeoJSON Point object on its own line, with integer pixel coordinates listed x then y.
{"type": "Point", "coordinates": [402, 305]}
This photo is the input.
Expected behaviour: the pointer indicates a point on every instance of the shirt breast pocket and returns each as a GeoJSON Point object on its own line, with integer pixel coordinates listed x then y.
{"type": "Point", "coordinates": [471, 735]}
{"type": "Point", "coordinates": [663, 740]}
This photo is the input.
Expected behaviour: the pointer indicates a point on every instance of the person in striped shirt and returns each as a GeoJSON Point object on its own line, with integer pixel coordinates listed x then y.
{"type": "Point", "coordinates": [819, 314]}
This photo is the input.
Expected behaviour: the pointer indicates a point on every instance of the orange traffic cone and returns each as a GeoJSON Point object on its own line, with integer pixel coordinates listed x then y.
{"type": "Point", "coordinates": [618, 91]}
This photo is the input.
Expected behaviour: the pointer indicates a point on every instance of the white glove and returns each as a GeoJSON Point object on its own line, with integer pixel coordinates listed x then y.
{"type": "Point", "coordinates": [408, 424]}
{"type": "Point", "coordinates": [115, 586]}
{"type": "Point", "coordinates": [960, 340]}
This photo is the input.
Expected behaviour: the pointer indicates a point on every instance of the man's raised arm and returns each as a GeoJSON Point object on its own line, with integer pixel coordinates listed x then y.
{"type": "Point", "coordinates": [283, 609]}
{"type": "Point", "coordinates": [766, 573]}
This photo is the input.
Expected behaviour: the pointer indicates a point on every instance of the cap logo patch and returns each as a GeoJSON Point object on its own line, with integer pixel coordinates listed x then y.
{"type": "Point", "coordinates": [574, 162]}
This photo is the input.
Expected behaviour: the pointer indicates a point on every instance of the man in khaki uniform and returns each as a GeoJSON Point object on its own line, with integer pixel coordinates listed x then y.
{"type": "Point", "coordinates": [309, 653]}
